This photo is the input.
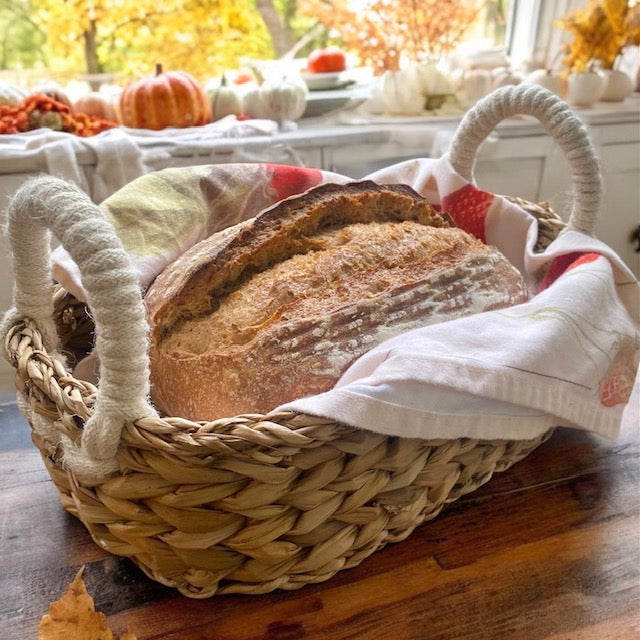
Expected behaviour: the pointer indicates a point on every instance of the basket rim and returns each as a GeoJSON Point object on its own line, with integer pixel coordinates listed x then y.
{"type": "Point", "coordinates": [35, 364]}
{"type": "Point", "coordinates": [243, 474]}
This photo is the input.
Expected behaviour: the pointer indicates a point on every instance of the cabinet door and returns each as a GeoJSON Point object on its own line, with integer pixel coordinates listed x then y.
{"type": "Point", "coordinates": [513, 166]}
{"type": "Point", "coordinates": [620, 213]}
{"type": "Point", "coordinates": [534, 168]}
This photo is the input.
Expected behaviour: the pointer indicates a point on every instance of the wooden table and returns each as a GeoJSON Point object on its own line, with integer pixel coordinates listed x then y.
{"type": "Point", "coordinates": [549, 549]}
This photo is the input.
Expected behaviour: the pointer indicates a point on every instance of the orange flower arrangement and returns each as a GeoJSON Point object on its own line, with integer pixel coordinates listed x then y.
{"type": "Point", "coordinates": [381, 31]}
{"type": "Point", "coordinates": [39, 110]}
{"type": "Point", "coordinates": [600, 31]}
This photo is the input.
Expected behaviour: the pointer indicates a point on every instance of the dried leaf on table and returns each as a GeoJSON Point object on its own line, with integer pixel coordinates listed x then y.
{"type": "Point", "coordinates": [73, 617]}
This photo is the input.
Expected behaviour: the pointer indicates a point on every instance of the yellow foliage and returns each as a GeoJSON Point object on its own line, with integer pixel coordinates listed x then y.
{"type": "Point", "coordinates": [203, 37]}
{"type": "Point", "coordinates": [600, 30]}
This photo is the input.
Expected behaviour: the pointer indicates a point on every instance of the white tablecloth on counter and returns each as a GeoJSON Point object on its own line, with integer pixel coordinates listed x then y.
{"type": "Point", "coordinates": [118, 155]}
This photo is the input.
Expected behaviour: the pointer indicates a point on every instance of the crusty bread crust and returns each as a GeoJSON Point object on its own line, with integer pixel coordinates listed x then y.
{"type": "Point", "coordinates": [279, 306]}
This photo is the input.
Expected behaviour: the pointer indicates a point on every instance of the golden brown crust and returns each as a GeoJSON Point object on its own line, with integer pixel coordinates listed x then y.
{"type": "Point", "coordinates": [280, 306]}
{"type": "Point", "coordinates": [216, 262]}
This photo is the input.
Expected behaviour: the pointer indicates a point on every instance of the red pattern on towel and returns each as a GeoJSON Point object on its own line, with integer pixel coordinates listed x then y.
{"type": "Point", "coordinates": [468, 207]}
{"type": "Point", "coordinates": [286, 181]}
{"type": "Point", "coordinates": [565, 263]}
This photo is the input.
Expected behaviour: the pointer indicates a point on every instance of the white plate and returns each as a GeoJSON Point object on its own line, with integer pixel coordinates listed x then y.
{"type": "Point", "coordinates": [325, 81]}
{"type": "Point", "coordinates": [320, 103]}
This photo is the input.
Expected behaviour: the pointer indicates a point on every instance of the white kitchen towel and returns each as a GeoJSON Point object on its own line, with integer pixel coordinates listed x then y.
{"type": "Point", "coordinates": [59, 152]}
{"type": "Point", "coordinates": [569, 356]}
{"type": "Point", "coordinates": [119, 160]}
{"type": "Point", "coordinates": [115, 157]}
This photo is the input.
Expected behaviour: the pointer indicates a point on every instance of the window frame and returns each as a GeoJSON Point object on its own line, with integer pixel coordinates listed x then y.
{"type": "Point", "coordinates": [531, 35]}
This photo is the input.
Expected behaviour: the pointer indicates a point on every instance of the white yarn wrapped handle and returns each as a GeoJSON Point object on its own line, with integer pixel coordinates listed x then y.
{"type": "Point", "coordinates": [46, 204]}
{"type": "Point", "coordinates": [562, 124]}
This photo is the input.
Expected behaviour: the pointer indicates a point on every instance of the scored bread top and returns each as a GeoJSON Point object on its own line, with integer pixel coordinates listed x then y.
{"type": "Point", "coordinates": [190, 287]}
{"type": "Point", "coordinates": [279, 306]}
{"type": "Point", "coordinates": [342, 267]}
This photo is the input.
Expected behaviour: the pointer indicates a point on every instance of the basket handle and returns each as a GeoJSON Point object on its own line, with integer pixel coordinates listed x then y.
{"type": "Point", "coordinates": [562, 124]}
{"type": "Point", "coordinates": [46, 204]}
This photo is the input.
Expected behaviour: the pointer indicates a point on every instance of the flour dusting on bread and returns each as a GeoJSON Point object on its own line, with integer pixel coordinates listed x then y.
{"type": "Point", "coordinates": [279, 307]}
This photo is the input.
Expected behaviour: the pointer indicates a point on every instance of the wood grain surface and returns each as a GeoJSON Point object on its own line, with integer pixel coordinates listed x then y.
{"type": "Point", "coordinates": [547, 550]}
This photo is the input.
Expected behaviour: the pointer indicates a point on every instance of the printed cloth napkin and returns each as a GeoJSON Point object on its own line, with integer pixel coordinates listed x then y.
{"type": "Point", "coordinates": [569, 356]}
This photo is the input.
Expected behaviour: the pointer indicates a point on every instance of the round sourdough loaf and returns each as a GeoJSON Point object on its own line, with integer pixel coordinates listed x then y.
{"type": "Point", "coordinates": [279, 306]}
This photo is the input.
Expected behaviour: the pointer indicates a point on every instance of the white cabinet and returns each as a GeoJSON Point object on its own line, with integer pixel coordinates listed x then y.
{"type": "Point", "coordinates": [521, 159]}
{"type": "Point", "coordinates": [619, 151]}
{"type": "Point", "coordinates": [515, 166]}
{"type": "Point", "coordinates": [534, 168]}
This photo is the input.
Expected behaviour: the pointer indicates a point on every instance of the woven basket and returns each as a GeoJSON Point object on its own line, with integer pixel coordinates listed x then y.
{"type": "Point", "coordinates": [249, 503]}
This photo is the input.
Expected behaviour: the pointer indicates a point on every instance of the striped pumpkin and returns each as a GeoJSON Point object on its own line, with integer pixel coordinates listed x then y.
{"type": "Point", "coordinates": [167, 99]}
{"type": "Point", "coordinates": [10, 94]}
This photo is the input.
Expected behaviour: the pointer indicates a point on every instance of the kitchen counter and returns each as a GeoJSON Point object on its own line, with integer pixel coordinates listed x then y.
{"type": "Point", "coordinates": [336, 130]}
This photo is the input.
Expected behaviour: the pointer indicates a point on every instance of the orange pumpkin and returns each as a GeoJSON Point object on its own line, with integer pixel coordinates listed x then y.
{"type": "Point", "coordinates": [96, 105]}
{"type": "Point", "coordinates": [168, 99]}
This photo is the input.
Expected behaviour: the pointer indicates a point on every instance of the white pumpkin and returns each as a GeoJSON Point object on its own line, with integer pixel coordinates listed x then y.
{"type": "Point", "coordinates": [475, 84]}
{"type": "Point", "coordinates": [619, 85]}
{"type": "Point", "coordinates": [225, 99]}
{"type": "Point", "coordinates": [548, 79]}
{"type": "Point", "coordinates": [585, 88]}
{"type": "Point", "coordinates": [10, 94]}
{"type": "Point", "coordinates": [54, 91]}
{"type": "Point", "coordinates": [282, 100]}
{"type": "Point", "coordinates": [427, 79]}
{"type": "Point", "coordinates": [503, 77]}
{"type": "Point", "coordinates": [400, 96]}
{"type": "Point", "coordinates": [376, 103]}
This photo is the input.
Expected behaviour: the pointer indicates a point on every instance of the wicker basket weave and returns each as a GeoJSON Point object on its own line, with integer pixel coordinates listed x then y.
{"type": "Point", "coordinates": [248, 503]}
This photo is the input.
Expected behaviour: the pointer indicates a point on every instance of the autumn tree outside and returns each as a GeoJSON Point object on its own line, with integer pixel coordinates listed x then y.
{"type": "Point", "coordinates": [208, 37]}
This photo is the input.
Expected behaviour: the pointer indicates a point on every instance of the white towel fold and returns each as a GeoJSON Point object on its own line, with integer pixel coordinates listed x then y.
{"type": "Point", "coordinates": [569, 356]}
{"type": "Point", "coordinates": [118, 159]}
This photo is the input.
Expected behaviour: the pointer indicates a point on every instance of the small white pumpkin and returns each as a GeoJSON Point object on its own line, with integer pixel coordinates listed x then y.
{"type": "Point", "coordinates": [504, 77]}
{"type": "Point", "coordinates": [225, 99]}
{"type": "Point", "coordinates": [547, 79]}
{"type": "Point", "coordinates": [585, 88]}
{"type": "Point", "coordinates": [428, 79]}
{"type": "Point", "coordinates": [54, 91]}
{"type": "Point", "coordinates": [619, 85]}
{"type": "Point", "coordinates": [282, 100]}
{"type": "Point", "coordinates": [400, 96]}
{"type": "Point", "coordinates": [475, 84]}
{"type": "Point", "coordinates": [10, 94]}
